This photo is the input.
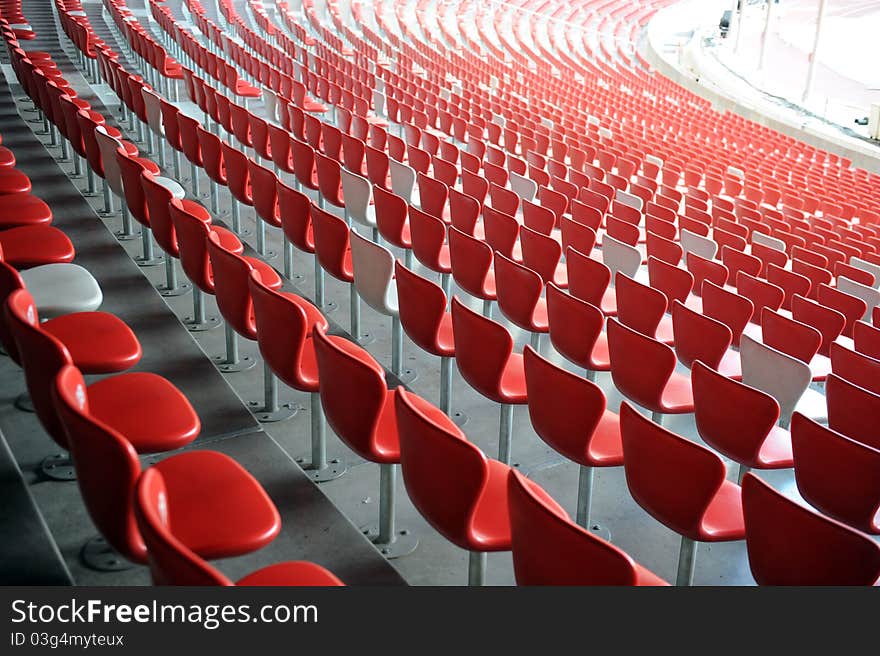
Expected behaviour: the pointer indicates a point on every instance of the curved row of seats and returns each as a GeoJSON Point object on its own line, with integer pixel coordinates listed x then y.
{"type": "Point", "coordinates": [215, 507]}
{"type": "Point", "coordinates": [629, 327]}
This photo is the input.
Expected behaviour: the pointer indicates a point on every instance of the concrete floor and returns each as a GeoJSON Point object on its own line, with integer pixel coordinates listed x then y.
{"type": "Point", "coordinates": [436, 561]}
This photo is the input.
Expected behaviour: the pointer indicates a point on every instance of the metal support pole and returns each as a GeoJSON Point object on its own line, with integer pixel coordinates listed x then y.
{"type": "Point", "coordinates": [126, 232]}
{"type": "Point", "coordinates": [108, 198]}
{"type": "Point", "coordinates": [232, 355]}
{"type": "Point", "coordinates": [198, 306]}
{"type": "Point", "coordinates": [261, 236]}
{"type": "Point", "coordinates": [446, 385]}
{"type": "Point", "coordinates": [505, 432]}
{"type": "Point", "coordinates": [148, 258]}
{"type": "Point", "coordinates": [687, 557]}
{"type": "Point", "coordinates": [408, 258]}
{"type": "Point", "coordinates": [811, 72]}
{"type": "Point", "coordinates": [236, 217]}
{"type": "Point", "coordinates": [396, 346]}
{"type": "Point", "coordinates": [446, 283]}
{"type": "Point", "coordinates": [477, 568]}
{"type": "Point", "coordinates": [657, 418]}
{"type": "Point", "coordinates": [215, 206]}
{"type": "Point", "coordinates": [319, 283]}
{"type": "Point", "coordinates": [194, 181]}
{"type": "Point", "coordinates": [387, 494]}
{"type": "Point", "coordinates": [535, 341]}
{"type": "Point", "coordinates": [90, 181]}
{"type": "Point", "coordinates": [487, 308]}
{"type": "Point", "coordinates": [591, 375]}
{"type": "Point", "coordinates": [585, 495]}
{"type": "Point", "coordinates": [743, 470]}
{"type": "Point", "coordinates": [270, 390]}
{"type": "Point", "coordinates": [319, 437]}
{"type": "Point", "coordinates": [288, 259]}
{"type": "Point", "coordinates": [171, 283]}
{"type": "Point", "coordinates": [354, 312]}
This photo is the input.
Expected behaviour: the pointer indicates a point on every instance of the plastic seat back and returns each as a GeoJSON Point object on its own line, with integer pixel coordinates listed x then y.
{"type": "Point", "coordinates": [869, 295]}
{"type": "Point", "coordinates": [575, 326]}
{"type": "Point", "coordinates": [232, 287]}
{"type": "Point", "coordinates": [704, 270]}
{"type": "Point", "coordinates": [728, 307]}
{"type": "Point", "coordinates": [42, 357]}
{"type": "Point", "coordinates": [640, 365]}
{"type": "Point", "coordinates": [836, 475]}
{"type": "Point", "coordinates": [789, 282]}
{"type": "Point", "coordinates": [789, 544]}
{"type": "Point", "coordinates": [403, 179]}
{"type": "Point", "coordinates": [502, 230]}
{"type": "Point", "coordinates": [422, 306]}
{"type": "Point", "coordinates": [762, 294]}
{"type": "Point", "coordinates": [107, 466]}
{"type": "Point", "coordinates": [540, 253]}
{"type": "Point", "coordinates": [578, 557]}
{"type": "Point", "coordinates": [851, 307]}
{"type": "Point", "coordinates": [577, 235]}
{"type": "Point", "coordinates": [698, 337]}
{"type": "Point", "coordinates": [482, 349]}
{"type": "Point", "coordinates": [471, 261]}
{"type": "Point", "coordinates": [10, 281]}
{"type": "Point", "coordinates": [433, 195]}
{"type": "Point", "coordinates": [587, 278]}
{"type": "Point", "coordinates": [857, 368]}
{"type": "Point", "coordinates": [352, 388]}
{"type": "Point", "coordinates": [373, 269]}
{"type": "Point", "coordinates": [564, 408]}
{"type": "Point", "coordinates": [781, 376]}
{"type": "Point", "coordinates": [303, 156]}
{"type": "Point", "coordinates": [789, 336]}
{"type": "Point", "coordinates": [638, 306]}
{"type": "Point", "coordinates": [519, 291]}
{"type": "Point", "coordinates": [618, 256]}
{"type": "Point", "coordinates": [678, 493]}
{"type": "Point", "coordinates": [332, 246]}
{"type": "Point", "coordinates": [282, 324]}
{"type": "Point", "coordinates": [391, 217]}
{"type": "Point", "coordinates": [830, 323]}
{"type": "Point", "coordinates": [158, 203]}
{"type": "Point", "coordinates": [133, 192]}
{"type": "Point", "coordinates": [237, 178]}
{"type": "Point", "coordinates": [429, 240]}
{"type": "Point", "coordinates": [694, 243]}
{"type": "Point", "coordinates": [464, 211]}
{"type": "Point", "coordinates": [295, 215]}
{"type": "Point", "coordinates": [444, 474]}
{"type": "Point", "coordinates": [357, 192]}
{"type": "Point", "coordinates": [191, 226]}
{"type": "Point", "coordinates": [264, 185]}
{"type": "Point", "coordinates": [866, 339]}
{"type": "Point", "coordinates": [731, 417]}
{"type": "Point", "coordinates": [675, 283]}
{"type": "Point", "coordinates": [212, 155]}
{"type": "Point", "coordinates": [329, 174]}
{"type": "Point", "coordinates": [852, 410]}
{"type": "Point", "coordinates": [171, 562]}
